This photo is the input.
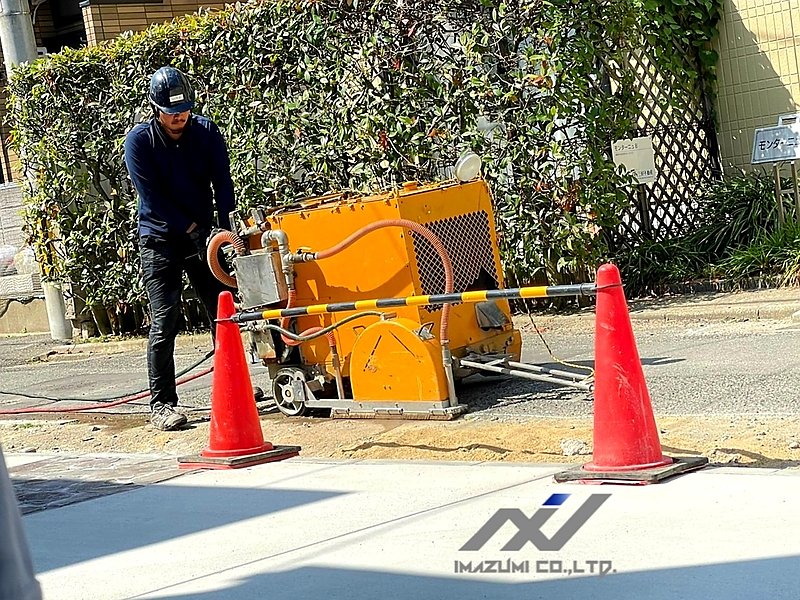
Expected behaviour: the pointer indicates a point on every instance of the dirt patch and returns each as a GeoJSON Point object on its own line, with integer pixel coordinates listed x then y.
{"type": "Point", "coordinates": [772, 441]}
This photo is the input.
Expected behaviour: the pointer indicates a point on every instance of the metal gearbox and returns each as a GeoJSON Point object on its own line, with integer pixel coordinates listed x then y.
{"type": "Point", "coordinates": [260, 280]}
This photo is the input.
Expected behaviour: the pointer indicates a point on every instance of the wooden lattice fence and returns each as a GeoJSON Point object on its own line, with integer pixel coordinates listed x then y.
{"type": "Point", "coordinates": [686, 153]}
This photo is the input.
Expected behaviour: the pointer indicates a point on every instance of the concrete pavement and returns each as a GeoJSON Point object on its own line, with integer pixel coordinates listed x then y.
{"type": "Point", "coordinates": [303, 529]}
{"type": "Point", "coordinates": [773, 303]}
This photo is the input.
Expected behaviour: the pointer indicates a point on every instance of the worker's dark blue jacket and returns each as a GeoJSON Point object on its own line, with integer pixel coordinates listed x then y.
{"type": "Point", "coordinates": [174, 179]}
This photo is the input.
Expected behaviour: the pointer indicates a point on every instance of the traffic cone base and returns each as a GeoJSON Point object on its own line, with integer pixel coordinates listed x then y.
{"type": "Point", "coordinates": [209, 453]}
{"type": "Point", "coordinates": [666, 460]}
{"type": "Point", "coordinates": [201, 461]}
{"type": "Point", "coordinates": [641, 476]}
{"type": "Point", "coordinates": [235, 436]}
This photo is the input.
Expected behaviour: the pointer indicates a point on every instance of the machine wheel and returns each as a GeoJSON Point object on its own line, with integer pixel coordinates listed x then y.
{"type": "Point", "coordinates": [288, 389]}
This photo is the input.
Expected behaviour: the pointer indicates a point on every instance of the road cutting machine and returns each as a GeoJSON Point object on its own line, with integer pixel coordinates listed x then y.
{"type": "Point", "coordinates": [357, 273]}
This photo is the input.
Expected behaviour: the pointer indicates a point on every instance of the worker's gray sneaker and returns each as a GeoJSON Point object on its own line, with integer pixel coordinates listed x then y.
{"type": "Point", "coordinates": [165, 418]}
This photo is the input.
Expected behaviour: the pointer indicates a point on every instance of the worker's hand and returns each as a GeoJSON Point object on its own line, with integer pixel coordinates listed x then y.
{"type": "Point", "coordinates": [199, 237]}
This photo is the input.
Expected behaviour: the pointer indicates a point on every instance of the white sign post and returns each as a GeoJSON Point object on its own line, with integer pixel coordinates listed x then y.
{"type": "Point", "coordinates": [779, 145]}
{"type": "Point", "coordinates": [637, 156]}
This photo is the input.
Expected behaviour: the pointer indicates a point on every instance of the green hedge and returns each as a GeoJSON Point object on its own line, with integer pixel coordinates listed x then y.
{"type": "Point", "coordinates": [319, 96]}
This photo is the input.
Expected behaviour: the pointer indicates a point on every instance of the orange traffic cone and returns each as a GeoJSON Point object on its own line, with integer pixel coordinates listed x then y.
{"type": "Point", "coordinates": [626, 442]}
{"type": "Point", "coordinates": [235, 437]}
{"type": "Point", "coordinates": [625, 434]}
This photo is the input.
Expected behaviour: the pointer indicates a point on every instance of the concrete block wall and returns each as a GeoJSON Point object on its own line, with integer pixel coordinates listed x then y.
{"type": "Point", "coordinates": [13, 284]}
{"type": "Point", "coordinates": [758, 72]}
{"type": "Point", "coordinates": [10, 216]}
{"type": "Point", "coordinates": [28, 315]}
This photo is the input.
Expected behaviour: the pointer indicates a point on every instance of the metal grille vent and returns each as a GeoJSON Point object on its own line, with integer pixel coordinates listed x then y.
{"type": "Point", "coordinates": [467, 240]}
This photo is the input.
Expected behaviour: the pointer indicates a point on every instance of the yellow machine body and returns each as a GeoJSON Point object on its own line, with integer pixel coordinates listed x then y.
{"type": "Point", "coordinates": [383, 358]}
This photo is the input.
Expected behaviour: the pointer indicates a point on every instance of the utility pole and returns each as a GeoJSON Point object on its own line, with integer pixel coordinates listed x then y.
{"type": "Point", "coordinates": [19, 46]}
{"type": "Point", "coordinates": [16, 33]}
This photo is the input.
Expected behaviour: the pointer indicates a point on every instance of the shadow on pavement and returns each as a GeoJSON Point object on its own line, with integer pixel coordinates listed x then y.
{"type": "Point", "coordinates": [176, 511]}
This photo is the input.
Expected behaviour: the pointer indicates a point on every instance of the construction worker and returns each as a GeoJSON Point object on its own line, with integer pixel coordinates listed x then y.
{"type": "Point", "coordinates": [178, 163]}
{"type": "Point", "coordinates": [16, 571]}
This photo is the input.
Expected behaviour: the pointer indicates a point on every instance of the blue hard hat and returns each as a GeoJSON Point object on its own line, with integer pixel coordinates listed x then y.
{"type": "Point", "coordinates": [170, 91]}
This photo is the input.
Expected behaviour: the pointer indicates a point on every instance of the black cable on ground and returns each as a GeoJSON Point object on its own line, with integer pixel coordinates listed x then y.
{"type": "Point", "coordinates": [100, 403]}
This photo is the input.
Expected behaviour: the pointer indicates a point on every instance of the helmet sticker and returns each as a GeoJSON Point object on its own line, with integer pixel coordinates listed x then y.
{"type": "Point", "coordinates": [176, 98]}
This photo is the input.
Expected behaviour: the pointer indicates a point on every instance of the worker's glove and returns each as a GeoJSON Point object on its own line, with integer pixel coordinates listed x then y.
{"type": "Point", "coordinates": [199, 237]}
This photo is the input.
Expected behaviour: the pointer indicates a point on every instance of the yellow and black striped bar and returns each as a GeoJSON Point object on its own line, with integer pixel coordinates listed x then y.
{"type": "Point", "coordinates": [542, 291]}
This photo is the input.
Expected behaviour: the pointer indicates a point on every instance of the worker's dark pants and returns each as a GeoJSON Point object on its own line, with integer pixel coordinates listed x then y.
{"type": "Point", "coordinates": [163, 265]}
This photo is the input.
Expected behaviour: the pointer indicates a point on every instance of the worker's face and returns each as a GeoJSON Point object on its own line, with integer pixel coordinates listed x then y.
{"type": "Point", "coordinates": [174, 123]}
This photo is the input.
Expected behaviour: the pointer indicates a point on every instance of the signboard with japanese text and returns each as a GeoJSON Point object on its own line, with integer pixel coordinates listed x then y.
{"type": "Point", "coordinates": [637, 156]}
{"type": "Point", "coordinates": [776, 144]}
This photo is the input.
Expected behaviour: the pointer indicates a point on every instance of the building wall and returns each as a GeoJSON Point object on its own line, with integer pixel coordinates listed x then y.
{"type": "Point", "coordinates": [758, 73]}
{"type": "Point", "coordinates": [43, 26]}
{"type": "Point", "coordinates": [106, 19]}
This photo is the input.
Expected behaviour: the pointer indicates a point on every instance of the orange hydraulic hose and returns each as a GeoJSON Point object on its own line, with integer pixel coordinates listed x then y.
{"type": "Point", "coordinates": [214, 244]}
{"type": "Point", "coordinates": [285, 321]}
{"type": "Point", "coordinates": [424, 232]}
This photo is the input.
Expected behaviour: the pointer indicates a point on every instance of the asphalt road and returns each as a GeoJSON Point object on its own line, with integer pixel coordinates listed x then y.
{"type": "Point", "coordinates": [740, 368]}
{"type": "Point", "coordinates": [744, 368]}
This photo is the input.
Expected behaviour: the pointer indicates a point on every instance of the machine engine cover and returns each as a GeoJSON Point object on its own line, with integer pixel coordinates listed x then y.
{"type": "Point", "coordinates": [392, 362]}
